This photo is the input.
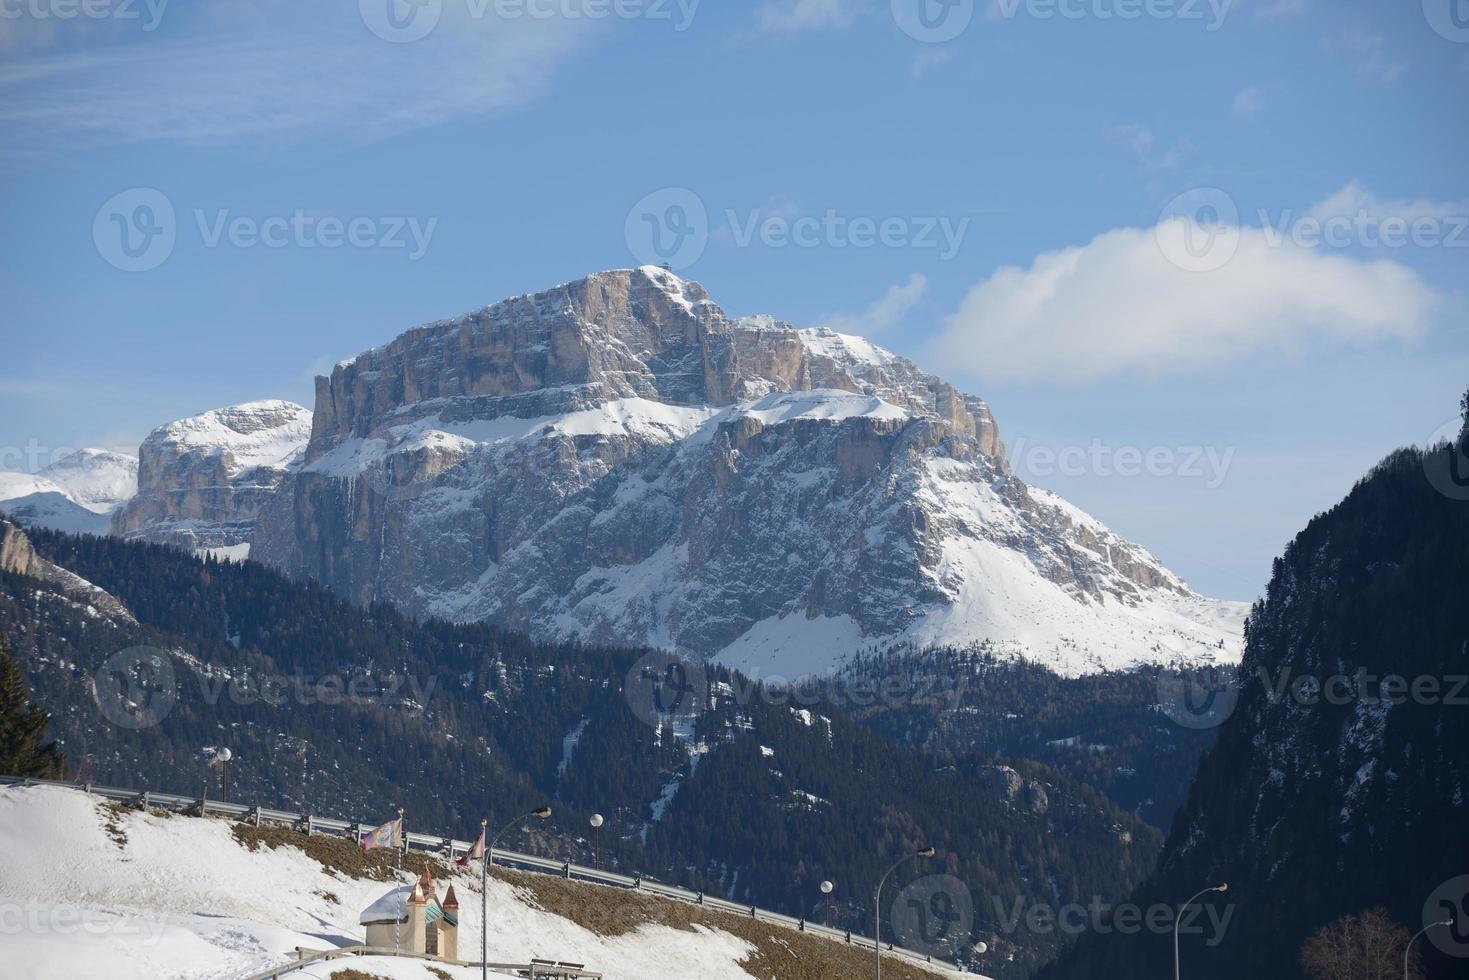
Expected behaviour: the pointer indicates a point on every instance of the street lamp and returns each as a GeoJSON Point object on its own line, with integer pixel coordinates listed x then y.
{"type": "Point", "coordinates": [826, 890]}
{"type": "Point", "coordinates": [1179, 915]}
{"type": "Point", "coordinates": [1409, 950]}
{"type": "Point", "coordinates": [923, 852]}
{"type": "Point", "coordinates": [484, 885]}
{"type": "Point", "coordinates": [597, 822]}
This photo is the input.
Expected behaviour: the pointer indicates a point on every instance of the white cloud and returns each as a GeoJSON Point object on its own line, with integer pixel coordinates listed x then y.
{"type": "Point", "coordinates": [1144, 146]}
{"type": "Point", "coordinates": [1282, 8]}
{"type": "Point", "coordinates": [790, 16]}
{"type": "Point", "coordinates": [1248, 101]}
{"type": "Point", "coordinates": [278, 70]}
{"type": "Point", "coordinates": [1358, 203]}
{"type": "Point", "coordinates": [925, 60]}
{"type": "Point", "coordinates": [1370, 52]}
{"type": "Point", "coordinates": [1118, 305]}
{"type": "Point", "coordinates": [885, 313]}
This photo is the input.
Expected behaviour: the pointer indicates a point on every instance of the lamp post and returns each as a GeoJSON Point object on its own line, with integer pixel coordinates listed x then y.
{"type": "Point", "coordinates": [923, 852]}
{"type": "Point", "coordinates": [826, 890]}
{"type": "Point", "coordinates": [1409, 950]}
{"type": "Point", "coordinates": [597, 822]}
{"type": "Point", "coordinates": [484, 886]}
{"type": "Point", "coordinates": [1179, 915]}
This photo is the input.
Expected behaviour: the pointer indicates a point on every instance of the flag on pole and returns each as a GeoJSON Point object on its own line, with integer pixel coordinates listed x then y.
{"type": "Point", "coordinates": [475, 853]}
{"type": "Point", "coordinates": [389, 834]}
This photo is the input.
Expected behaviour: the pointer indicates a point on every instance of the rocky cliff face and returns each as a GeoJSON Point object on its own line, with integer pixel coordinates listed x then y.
{"type": "Point", "coordinates": [18, 556]}
{"type": "Point", "coordinates": [617, 459]}
{"type": "Point", "coordinates": [202, 481]}
{"type": "Point", "coordinates": [1340, 779]}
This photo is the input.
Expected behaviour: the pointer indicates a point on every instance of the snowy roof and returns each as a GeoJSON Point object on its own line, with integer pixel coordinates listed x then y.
{"type": "Point", "coordinates": [392, 906]}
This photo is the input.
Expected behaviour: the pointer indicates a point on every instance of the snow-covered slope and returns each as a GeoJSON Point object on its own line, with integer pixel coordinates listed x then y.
{"type": "Point", "coordinates": [97, 891]}
{"type": "Point", "coordinates": [203, 480]}
{"type": "Point", "coordinates": [616, 460]}
{"type": "Point", "coordinates": [99, 480]}
{"type": "Point", "coordinates": [77, 493]}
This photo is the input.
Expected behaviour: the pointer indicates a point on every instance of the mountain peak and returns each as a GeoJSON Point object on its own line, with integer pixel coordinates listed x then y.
{"type": "Point", "coordinates": [615, 459]}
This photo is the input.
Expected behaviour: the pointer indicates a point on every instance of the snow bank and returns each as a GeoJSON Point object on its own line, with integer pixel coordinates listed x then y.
{"type": "Point", "coordinates": [181, 898]}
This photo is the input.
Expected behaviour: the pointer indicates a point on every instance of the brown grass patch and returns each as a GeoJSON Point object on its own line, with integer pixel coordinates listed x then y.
{"type": "Point", "coordinates": [339, 854]}
{"type": "Point", "coordinates": [782, 953]}
{"type": "Point", "coordinates": [350, 974]}
{"type": "Point", "coordinates": [112, 814]}
{"type": "Point", "coordinates": [779, 952]}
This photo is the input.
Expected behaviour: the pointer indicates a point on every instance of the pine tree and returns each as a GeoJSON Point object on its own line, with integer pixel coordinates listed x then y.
{"type": "Point", "coordinates": [22, 729]}
{"type": "Point", "coordinates": [1464, 411]}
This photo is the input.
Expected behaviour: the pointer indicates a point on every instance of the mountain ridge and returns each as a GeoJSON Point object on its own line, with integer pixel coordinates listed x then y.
{"type": "Point", "coordinates": [616, 458]}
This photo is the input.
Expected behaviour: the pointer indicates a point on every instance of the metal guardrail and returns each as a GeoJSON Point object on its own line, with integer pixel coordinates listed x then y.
{"type": "Point", "coordinates": [535, 970]}
{"type": "Point", "coordinates": [307, 823]}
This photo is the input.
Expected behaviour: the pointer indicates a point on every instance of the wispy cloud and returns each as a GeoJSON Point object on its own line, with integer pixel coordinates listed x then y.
{"type": "Point", "coordinates": [790, 16]}
{"type": "Point", "coordinates": [1357, 203]}
{"type": "Point", "coordinates": [925, 60]}
{"type": "Point", "coordinates": [1248, 101]}
{"type": "Point", "coordinates": [1273, 9]}
{"type": "Point", "coordinates": [885, 313]}
{"type": "Point", "coordinates": [259, 77]}
{"type": "Point", "coordinates": [1145, 148]}
{"type": "Point", "coordinates": [1369, 54]}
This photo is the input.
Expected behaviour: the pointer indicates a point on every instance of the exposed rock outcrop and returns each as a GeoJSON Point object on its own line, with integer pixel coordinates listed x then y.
{"type": "Point", "coordinates": [202, 481]}
{"type": "Point", "coordinates": [18, 556]}
{"type": "Point", "coordinates": [616, 459]}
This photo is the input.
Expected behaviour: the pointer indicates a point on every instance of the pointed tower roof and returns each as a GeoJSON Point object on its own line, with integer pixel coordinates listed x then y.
{"type": "Point", "coordinates": [417, 898]}
{"type": "Point", "coordinates": [450, 902]}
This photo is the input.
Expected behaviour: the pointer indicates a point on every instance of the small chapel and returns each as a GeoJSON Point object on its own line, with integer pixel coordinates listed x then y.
{"type": "Point", "coordinates": [412, 919]}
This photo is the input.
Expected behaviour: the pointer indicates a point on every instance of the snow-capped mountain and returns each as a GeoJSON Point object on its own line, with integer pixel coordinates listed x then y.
{"type": "Point", "coordinates": [617, 459]}
{"type": "Point", "coordinates": [203, 480]}
{"type": "Point", "coordinates": [77, 493]}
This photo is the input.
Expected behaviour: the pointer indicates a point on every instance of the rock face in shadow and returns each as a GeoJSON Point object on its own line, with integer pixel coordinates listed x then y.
{"type": "Point", "coordinates": [202, 481]}
{"type": "Point", "coordinates": [616, 459]}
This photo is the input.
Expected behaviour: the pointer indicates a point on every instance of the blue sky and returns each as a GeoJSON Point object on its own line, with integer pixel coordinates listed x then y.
{"type": "Point", "coordinates": [1050, 139]}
